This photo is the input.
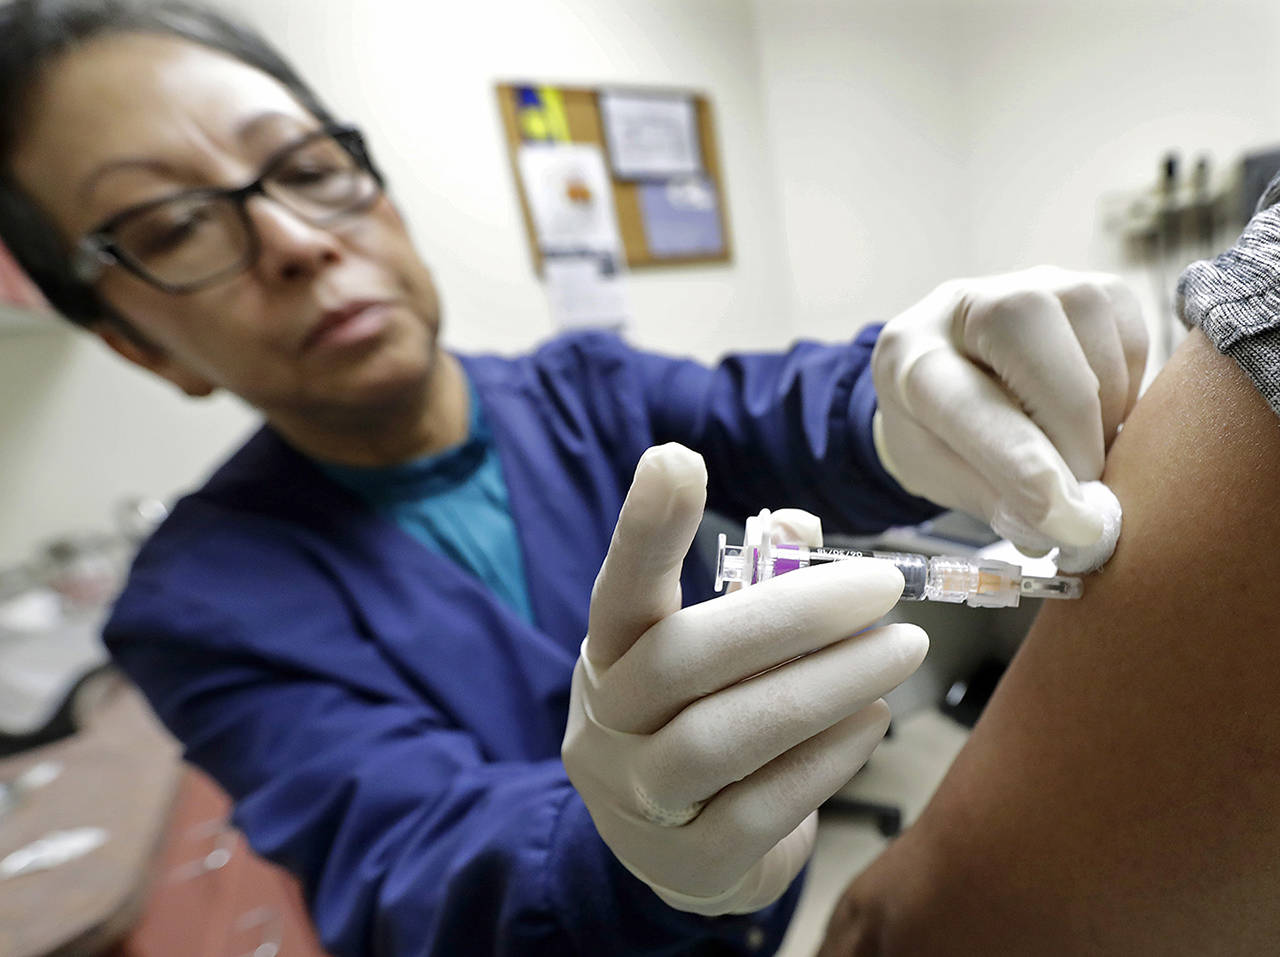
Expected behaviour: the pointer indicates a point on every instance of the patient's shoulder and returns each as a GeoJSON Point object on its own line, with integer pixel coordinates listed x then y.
{"type": "Point", "coordinates": [1120, 793]}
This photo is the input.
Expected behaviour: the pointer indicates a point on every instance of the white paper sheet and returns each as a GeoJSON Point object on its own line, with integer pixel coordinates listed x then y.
{"type": "Point", "coordinates": [651, 135]}
{"type": "Point", "coordinates": [586, 291]}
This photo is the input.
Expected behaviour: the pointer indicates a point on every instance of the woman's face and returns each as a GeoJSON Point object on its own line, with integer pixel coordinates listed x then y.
{"type": "Point", "coordinates": [326, 323]}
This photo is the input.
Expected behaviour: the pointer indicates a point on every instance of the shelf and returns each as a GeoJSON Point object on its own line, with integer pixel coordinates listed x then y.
{"type": "Point", "coordinates": [16, 320]}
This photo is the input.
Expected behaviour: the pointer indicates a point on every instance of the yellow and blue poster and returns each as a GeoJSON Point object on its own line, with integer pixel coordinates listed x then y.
{"type": "Point", "coordinates": [540, 115]}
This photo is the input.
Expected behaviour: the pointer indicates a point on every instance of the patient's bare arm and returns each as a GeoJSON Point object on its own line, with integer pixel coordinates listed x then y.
{"type": "Point", "coordinates": [1121, 794]}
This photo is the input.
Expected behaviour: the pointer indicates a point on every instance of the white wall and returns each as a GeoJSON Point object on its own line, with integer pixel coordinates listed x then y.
{"type": "Point", "coordinates": [78, 430]}
{"type": "Point", "coordinates": [866, 121]}
{"type": "Point", "coordinates": [1073, 100]}
{"type": "Point", "coordinates": [81, 431]}
{"type": "Point", "coordinates": [1106, 90]}
{"type": "Point", "coordinates": [922, 138]}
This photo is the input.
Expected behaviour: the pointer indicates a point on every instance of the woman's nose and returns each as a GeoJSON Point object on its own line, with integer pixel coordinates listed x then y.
{"type": "Point", "coordinates": [291, 247]}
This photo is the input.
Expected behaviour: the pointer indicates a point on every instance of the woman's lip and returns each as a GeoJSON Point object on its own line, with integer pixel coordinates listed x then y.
{"type": "Point", "coordinates": [348, 325]}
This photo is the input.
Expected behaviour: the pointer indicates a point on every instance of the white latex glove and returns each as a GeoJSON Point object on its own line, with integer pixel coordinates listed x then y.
{"type": "Point", "coordinates": [998, 396]}
{"type": "Point", "coordinates": [702, 739]}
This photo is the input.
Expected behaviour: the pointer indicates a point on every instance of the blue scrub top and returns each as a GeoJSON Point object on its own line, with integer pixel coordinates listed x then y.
{"type": "Point", "coordinates": [389, 728]}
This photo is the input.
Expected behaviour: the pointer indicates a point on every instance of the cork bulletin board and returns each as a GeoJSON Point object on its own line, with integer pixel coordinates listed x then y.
{"type": "Point", "coordinates": [535, 113]}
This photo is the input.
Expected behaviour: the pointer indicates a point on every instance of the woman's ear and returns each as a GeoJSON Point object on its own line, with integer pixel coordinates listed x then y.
{"type": "Point", "coordinates": [135, 348]}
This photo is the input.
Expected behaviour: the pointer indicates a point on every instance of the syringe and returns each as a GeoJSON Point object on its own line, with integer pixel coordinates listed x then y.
{"type": "Point", "coordinates": [979, 582]}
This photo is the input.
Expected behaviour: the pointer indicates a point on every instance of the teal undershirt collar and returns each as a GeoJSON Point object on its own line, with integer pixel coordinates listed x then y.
{"type": "Point", "coordinates": [455, 503]}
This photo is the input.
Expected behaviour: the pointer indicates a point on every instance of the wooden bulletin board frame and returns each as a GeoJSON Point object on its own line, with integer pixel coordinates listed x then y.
{"type": "Point", "coordinates": [582, 111]}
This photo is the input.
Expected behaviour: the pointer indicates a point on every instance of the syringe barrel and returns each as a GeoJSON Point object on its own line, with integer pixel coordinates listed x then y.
{"type": "Point", "coordinates": [979, 583]}
{"type": "Point", "coordinates": [915, 573]}
{"type": "Point", "coordinates": [914, 568]}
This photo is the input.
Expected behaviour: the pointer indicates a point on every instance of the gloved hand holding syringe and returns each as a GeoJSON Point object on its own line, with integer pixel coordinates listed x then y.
{"type": "Point", "coordinates": [978, 582]}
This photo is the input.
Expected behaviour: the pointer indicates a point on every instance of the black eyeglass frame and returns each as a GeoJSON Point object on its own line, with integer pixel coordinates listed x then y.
{"type": "Point", "coordinates": [98, 249]}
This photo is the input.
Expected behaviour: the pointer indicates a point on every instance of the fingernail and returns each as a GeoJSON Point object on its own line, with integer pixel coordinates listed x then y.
{"type": "Point", "coordinates": [668, 476]}
{"type": "Point", "coordinates": [795, 526]}
{"type": "Point", "coordinates": [914, 642]}
{"type": "Point", "coordinates": [1032, 551]}
{"type": "Point", "coordinates": [681, 466]}
{"type": "Point", "coordinates": [1026, 536]}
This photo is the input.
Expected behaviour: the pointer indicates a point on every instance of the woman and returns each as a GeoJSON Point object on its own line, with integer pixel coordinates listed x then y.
{"type": "Point", "coordinates": [365, 625]}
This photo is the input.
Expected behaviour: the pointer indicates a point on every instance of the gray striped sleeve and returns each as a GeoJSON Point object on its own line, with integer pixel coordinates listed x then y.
{"type": "Point", "coordinates": [1235, 298]}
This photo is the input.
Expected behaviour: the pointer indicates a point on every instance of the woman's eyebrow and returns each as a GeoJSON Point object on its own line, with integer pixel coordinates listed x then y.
{"type": "Point", "coordinates": [267, 120]}
{"type": "Point", "coordinates": [150, 164]}
{"type": "Point", "coordinates": [244, 131]}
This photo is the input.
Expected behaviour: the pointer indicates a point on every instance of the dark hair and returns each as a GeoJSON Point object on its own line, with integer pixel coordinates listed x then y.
{"type": "Point", "coordinates": [36, 32]}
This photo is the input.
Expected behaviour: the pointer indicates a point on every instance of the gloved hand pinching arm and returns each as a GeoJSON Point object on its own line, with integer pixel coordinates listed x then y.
{"type": "Point", "coordinates": [702, 739]}
{"type": "Point", "coordinates": [998, 396]}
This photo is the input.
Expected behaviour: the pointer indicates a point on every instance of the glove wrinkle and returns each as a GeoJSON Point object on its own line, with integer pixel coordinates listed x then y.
{"type": "Point", "coordinates": [647, 807]}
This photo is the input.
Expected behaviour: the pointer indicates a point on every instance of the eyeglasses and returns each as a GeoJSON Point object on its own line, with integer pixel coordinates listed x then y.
{"type": "Point", "coordinates": [196, 239]}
